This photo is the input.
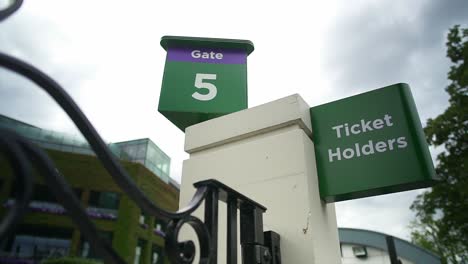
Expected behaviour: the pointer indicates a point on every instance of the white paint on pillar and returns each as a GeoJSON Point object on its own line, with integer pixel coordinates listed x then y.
{"type": "Point", "coordinates": [266, 153]}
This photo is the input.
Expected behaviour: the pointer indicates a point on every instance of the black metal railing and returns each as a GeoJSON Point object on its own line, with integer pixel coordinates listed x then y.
{"type": "Point", "coordinates": [257, 247]}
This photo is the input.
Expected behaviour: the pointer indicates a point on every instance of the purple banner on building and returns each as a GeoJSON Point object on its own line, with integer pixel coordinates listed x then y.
{"type": "Point", "coordinates": [207, 55]}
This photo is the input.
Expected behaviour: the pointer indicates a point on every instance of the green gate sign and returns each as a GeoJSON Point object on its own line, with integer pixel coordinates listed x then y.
{"type": "Point", "coordinates": [203, 78]}
{"type": "Point", "coordinates": [370, 144]}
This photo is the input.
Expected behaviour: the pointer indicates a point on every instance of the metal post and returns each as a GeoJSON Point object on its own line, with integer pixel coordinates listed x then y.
{"type": "Point", "coordinates": [231, 256]}
{"type": "Point", "coordinates": [211, 221]}
{"type": "Point", "coordinates": [272, 241]}
{"type": "Point", "coordinates": [252, 238]}
{"type": "Point", "coordinates": [392, 250]}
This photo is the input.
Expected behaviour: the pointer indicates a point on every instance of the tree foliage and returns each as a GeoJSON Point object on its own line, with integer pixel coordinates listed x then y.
{"type": "Point", "coordinates": [441, 223]}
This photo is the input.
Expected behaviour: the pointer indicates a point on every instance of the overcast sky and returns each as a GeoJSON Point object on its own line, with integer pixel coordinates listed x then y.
{"type": "Point", "coordinates": [106, 54]}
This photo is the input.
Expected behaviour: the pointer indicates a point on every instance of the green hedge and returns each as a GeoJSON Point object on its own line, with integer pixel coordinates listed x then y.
{"type": "Point", "coordinates": [70, 261]}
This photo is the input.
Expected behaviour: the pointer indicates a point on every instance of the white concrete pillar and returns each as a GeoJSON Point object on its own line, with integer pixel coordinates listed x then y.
{"type": "Point", "coordinates": [267, 154]}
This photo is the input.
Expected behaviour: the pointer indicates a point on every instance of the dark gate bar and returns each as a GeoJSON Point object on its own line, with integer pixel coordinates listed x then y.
{"type": "Point", "coordinates": [392, 250]}
{"type": "Point", "coordinates": [211, 221]}
{"type": "Point", "coordinates": [254, 249]}
{"type": "Point", "coordinates": [231, 254]}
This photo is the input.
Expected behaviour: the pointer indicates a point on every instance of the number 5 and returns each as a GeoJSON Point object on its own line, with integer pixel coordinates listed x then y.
{"type": "Point", "coordinates": [200, 85]}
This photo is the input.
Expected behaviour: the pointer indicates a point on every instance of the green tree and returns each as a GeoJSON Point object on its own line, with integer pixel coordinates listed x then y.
{"type": "Point", "coordinates": [441, 223]}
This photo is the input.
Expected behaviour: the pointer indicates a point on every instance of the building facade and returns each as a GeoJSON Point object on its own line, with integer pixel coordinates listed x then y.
{"type": "Point", "coordinates": [47, 231]}
{"type": "Point", "coordinates": [370, 247]}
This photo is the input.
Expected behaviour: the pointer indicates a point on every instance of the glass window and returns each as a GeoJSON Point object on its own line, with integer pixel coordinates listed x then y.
{"type": "Point", "coordinates": [141, 151]}
{"type": "Point", "coordinates": [66, 148]}
{"type": "Point", "coordinates": [159, 225]}
{"type": "Point", "coordinates": [144, 220]}
{"type": "Point", "coordinates": [83, 150]}
{"type": "Point", "coordinates": [26, 246]}
{"type": "Point", "coordinates": [157, 255]}
{"type": "Point", "coordinates": [139, 252]}
{"type": "Point", "coordinates": [41, 135]}
{"type": "Point", "coordinates": [107, 200]}
{"type": "Point", "coordinates": [39, 242]}
{"type": "Point", "coordinates": [147, 153]}
{"type": "Point", "coordinates": [43, 194]}
{"type": "Point", "coordinates": [88, 252]}
{"type": "Point", "coordinates": [165, 168]}
{"type": "Point", "coordinates": [360, 251]}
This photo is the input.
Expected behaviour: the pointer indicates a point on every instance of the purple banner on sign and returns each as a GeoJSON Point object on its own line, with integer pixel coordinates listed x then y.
{"type": "Point", "coordinates": [207, 55]}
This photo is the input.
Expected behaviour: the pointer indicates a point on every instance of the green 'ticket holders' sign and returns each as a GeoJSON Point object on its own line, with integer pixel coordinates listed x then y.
{"type": "Point", "coordinates": [370, 144]}
{"type": "Point", "coordinates": [203, 78]}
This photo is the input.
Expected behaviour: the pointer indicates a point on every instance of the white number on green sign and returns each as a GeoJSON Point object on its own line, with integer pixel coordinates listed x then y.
{"type": "Point", "coordinates": [212, 91]}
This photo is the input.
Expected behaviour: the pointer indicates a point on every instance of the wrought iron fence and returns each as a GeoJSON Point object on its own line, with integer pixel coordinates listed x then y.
{"type": "Point", "coordinates": [257, 247]}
